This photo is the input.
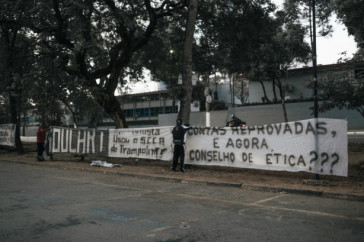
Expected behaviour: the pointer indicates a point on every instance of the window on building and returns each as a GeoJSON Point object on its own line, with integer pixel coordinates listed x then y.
{"type": "Point", "coordinates": [146, 112]}
{"type": "Point", "coordinates": [154, 111]}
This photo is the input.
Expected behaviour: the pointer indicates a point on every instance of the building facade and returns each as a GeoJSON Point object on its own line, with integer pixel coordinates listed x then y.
{"type": "Point", "coordinates": [299, 83]}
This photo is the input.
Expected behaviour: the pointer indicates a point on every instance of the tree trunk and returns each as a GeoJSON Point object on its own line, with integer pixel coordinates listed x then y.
{"type": "Point", "coordinates": [216, 95]}
{"type": "Point", "coordinates": [242, 97]}
{"type": "Point", "coordinates": [284, 110]}
{"type": "Point", "coordinates": [282, 92]}
{"type": "Point", "coordinates": [361, 111]}
{"type": "Point", "coordinates": [275, 99]}
{"type": "Point", "coordinates": [264, 91]}
{"type": "Point", "coordinates": [112, 107]}
{"type": "Point", "coordinates": [15, 120]}
{"type": "Point", "coordinates": [173, 104]}
{"type": "Point", "coordinates": [93, 122]}
{"type": "Point", "coordinates": [266, 99]}
{"type": "Point", "coordinates": [185, 110]}
{"type": "Point", "coordinates": [233, 89]}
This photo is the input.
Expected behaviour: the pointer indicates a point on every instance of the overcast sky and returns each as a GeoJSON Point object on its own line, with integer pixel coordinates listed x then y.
{"type": "Point", "coordinates": [329, 50]}
{"type": "Point", "coordinates": [330, 47]}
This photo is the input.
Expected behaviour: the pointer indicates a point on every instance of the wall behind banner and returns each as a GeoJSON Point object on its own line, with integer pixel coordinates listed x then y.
{"type": "Point", "coordinates": [267, 114]}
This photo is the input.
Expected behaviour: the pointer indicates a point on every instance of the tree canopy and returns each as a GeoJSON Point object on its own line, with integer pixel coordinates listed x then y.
{"type": "Point", "coordinates": [95, 40]}
{"type": "Point", "coordinates": [345, 89]}
{"type": "Point", "coordinates": [351, 12]}
{"type": "Point", "coordinates": [62, 52]}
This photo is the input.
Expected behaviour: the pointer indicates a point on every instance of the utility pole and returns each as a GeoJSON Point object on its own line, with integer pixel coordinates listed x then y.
{"type": "Point", "coordinates": [314, 59]}
{"type": "Point", "coordinates": [314, 63]}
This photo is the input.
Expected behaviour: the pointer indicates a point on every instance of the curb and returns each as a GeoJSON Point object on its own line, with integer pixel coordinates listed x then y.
{"type": "Point", "coordinates": [353, 197]}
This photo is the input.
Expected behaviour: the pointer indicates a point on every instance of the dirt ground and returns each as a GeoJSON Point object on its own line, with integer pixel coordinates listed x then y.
{"type": "Point", "coordinates": [353, 184]}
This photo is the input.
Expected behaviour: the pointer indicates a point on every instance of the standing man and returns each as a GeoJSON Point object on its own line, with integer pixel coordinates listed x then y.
{"type": "Point", "coordinates": [40, 142]}
{"type": "Point", "coordinates": [179, 139]}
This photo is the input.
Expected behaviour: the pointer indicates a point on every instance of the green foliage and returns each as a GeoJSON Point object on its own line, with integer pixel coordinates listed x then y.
{"type": "Point", "coordinates": [163, 54]}
{"type": "Point", "coordinates": [85, 48]}
{"type": "Point", "coordinates": [216, 105]}
{"type": "Point", "coordinates": [96, 41]}
{"type": "Point", "coordinates": [76, 53]}
{"type": "Point", "coordinates": [232, 30]}
{"type": "Point", "coordinates": [351, 12]}
{"type": "Point", "coordinates": [300, 11]}
{"type": "Point", "coordinates": [344, 90]}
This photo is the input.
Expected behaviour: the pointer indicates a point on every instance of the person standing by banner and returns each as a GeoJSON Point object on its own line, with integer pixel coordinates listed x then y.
{"type": "Point", "coordinates": [179, 140]}
{"type": "Point", "coordinates": [40, 141]}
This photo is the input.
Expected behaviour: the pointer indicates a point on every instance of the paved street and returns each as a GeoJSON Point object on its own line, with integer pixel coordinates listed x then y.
{"type": "Point", "coordinates": [51, 204]}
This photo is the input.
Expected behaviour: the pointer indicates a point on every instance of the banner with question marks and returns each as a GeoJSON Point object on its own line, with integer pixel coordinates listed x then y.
{"type": "Point", "coordinates": [315, 145]}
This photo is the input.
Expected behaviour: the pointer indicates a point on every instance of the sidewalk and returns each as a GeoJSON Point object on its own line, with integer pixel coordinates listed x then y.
{"type": "Point", "coordinates": [351, 187]}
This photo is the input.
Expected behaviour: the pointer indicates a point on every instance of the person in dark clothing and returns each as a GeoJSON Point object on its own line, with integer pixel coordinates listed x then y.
{"type": "Point", "coordinates": [235, 122]}
{"type": "Point", "coordinates": [179, 139]}
{"type": "Point", "coordinates": [40, 142]}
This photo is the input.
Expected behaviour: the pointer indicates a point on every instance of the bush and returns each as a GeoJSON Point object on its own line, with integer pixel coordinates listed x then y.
{"type": "Point", "coordinates": [217, 105]}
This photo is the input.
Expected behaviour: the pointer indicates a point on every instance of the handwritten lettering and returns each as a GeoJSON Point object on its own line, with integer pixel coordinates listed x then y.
{"type": "Point", "coordinates": [211, 155]}
{"type": "Point", "coordinates": [146, 132]}
{"type": "Point", "coordinates": [77, 141]}
{"type": "Point", "coordinates": [314, 145]}
{"type": "Point", "coordinates": [253, 143]}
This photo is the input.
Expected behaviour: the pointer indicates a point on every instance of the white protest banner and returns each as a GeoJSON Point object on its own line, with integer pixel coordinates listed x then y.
{"type": "Point", "coordinates": [145, 143]}
{"type": "Point", "coordinates": [7, 134]}
{"type": "Point", "coordinates": [315, 145]}
{"type": "Point", "coordinates": [78, 141]}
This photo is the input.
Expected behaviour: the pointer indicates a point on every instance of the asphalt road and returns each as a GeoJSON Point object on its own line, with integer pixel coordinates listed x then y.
{"type": "Point", "coordinates": [51, 204]}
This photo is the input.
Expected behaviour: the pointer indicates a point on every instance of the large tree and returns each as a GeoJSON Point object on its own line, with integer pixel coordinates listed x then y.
{"type": "Point", "coordinates": [232, 36]}
{"type": "Point", "coordinates": [291, 48]}
{"type": "Point", "coordinates": [95, 40]}
{"type": "Point", "coordinates": [344, 89]}
{"type": "Point", "coordinates": [16, 59]}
